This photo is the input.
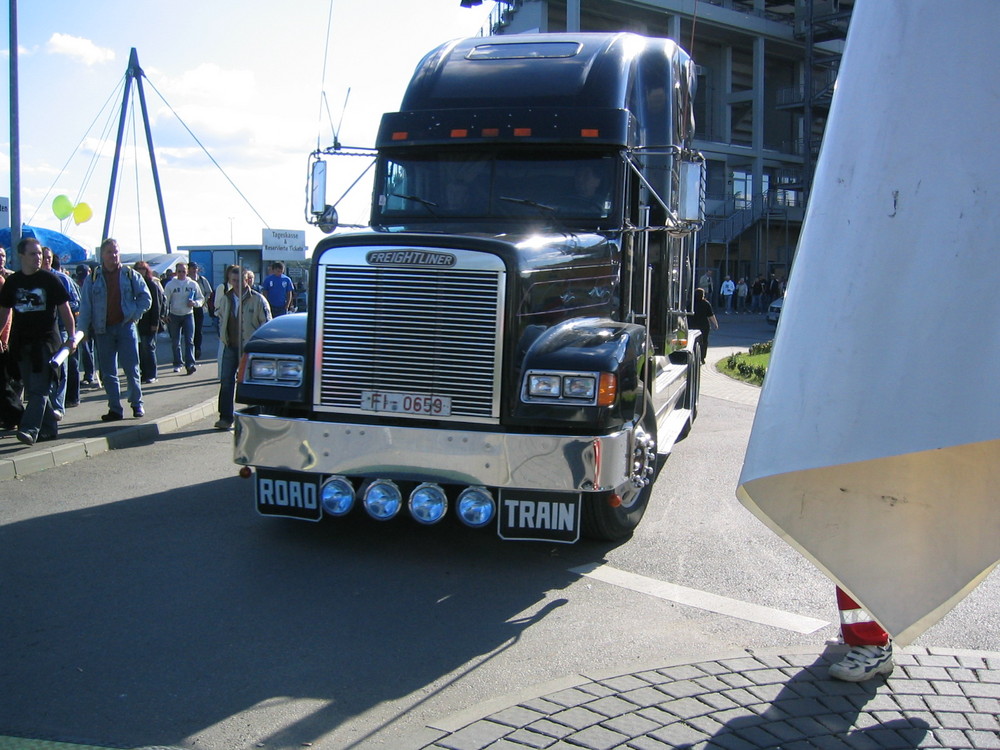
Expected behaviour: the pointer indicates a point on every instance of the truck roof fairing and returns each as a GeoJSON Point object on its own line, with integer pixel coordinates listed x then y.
{"type": "Point", "coordinates": [524, 87]}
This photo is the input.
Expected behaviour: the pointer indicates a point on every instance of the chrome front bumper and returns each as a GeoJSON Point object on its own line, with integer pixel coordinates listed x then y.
{"type": "Point", "coordinates": [560, 463]}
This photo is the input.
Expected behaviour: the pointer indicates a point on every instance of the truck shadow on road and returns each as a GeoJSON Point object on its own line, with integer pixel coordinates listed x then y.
{"type": "Point", "coordinates": [154, 619]}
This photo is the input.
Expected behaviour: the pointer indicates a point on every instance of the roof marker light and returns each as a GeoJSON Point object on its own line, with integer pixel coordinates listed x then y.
{"type": "Point", "coordinates": [522, 132]}
{"type": "Point", "coordinates": [459, 133]}
{"type": "Point", "coordinates": [590, 133]}
{"type": "Point", "coordinates": [491, 132]}
{"type": "Point", "coordinates": [400, 135]}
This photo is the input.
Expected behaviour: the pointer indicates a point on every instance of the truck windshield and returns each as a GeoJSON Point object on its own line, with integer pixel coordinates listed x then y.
{"type": "Point", "coordinates": [488, 185]}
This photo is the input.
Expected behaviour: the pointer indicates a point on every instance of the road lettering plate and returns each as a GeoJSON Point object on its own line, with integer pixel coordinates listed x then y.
{"type": "Point", "coordinates": [539, 516]}
{"type": "Point", "coordinates": [288, 494]}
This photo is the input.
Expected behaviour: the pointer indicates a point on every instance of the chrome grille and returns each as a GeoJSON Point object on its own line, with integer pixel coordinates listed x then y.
{"type": "Point", "coordinates": [430, 331]}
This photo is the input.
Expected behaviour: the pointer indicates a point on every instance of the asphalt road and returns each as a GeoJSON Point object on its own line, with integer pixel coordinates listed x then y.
{"type": "Point", "coordinates": [144, 602]}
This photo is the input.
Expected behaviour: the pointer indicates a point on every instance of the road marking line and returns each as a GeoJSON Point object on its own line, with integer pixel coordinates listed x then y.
{"type": "Point", "coordinates": [722, 605]}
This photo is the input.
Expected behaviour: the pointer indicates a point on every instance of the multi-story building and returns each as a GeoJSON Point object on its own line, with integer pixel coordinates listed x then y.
{"type": "Point", "coordinates": [760, 132]}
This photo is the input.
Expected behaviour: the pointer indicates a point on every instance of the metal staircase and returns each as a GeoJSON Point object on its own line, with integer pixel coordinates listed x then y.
{"type": "Point", "coordinates": [729, 220]}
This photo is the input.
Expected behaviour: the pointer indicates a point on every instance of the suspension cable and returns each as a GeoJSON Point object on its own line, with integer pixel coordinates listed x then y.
{"type": "Point", "coordinates": [212, 158]}
{"type": "Point", "coordinates": [99, 152]}
{"type": "Point", "coordinates": [48, 192]}
{"type": "Point", "coordinates": [135, 164]}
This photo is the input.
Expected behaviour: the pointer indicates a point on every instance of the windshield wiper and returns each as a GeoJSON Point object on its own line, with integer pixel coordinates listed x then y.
{"type": "Point", "coordinates": [534, 204]}
{"type": "Point", "coordinates": [430, 205]}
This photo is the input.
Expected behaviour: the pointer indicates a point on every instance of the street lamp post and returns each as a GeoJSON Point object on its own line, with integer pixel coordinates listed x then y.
{"type": "Point", "coordinates": [15, 143]}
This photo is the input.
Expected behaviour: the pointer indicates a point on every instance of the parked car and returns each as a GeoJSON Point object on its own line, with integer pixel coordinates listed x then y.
{"type": "Point", "coordinates": [774, 311]}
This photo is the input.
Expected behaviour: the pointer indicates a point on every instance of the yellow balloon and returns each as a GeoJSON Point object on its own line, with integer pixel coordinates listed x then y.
{"type": "Point", "coordinates": [82, 213]}
{"type": "Point", "coordinates": [62, 207]}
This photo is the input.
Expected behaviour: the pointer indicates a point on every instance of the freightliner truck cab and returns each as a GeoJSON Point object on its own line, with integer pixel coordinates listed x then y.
{"type": "Point", "coordinates": [506, 346]}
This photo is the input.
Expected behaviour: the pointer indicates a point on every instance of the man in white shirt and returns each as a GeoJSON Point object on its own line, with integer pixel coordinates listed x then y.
{"type": "Point", "coordinates": [183, 296]}
{"type": "Point", "coordinates": [727, 289]}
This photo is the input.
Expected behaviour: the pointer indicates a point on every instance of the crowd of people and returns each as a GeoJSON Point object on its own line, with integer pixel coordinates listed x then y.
{"type": "Point", "coordinates": [742, 296]}
{"type": "Point", "coordinates": [61, 333]}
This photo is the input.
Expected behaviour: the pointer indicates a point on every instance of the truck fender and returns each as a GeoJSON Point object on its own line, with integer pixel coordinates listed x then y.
{"type": "Point", "coordinates": [284, 335]}
{"type": "Point", "coordinates": [593, 345]}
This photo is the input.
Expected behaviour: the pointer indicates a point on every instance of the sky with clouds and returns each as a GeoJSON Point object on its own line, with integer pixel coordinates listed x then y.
{"type": "Point", "coordinates": [247, 79]}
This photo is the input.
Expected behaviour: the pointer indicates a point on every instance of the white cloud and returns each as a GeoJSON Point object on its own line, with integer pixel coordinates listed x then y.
{"type": "Point", "coordinates": [78, 48]}
{"type": "Point", "coordinates": [208, 83]}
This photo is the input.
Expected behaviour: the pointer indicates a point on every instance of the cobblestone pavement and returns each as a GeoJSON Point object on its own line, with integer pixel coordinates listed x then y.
{"type": "Point", "coordinates": [935, 698]}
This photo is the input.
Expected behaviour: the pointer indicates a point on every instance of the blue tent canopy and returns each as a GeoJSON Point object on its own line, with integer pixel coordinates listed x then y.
{"type": "Point", "coordinates": [65, 249]}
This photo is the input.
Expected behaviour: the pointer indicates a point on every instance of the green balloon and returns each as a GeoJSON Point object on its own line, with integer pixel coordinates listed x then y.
{"type": "Point", "coordinates": [62, 207]}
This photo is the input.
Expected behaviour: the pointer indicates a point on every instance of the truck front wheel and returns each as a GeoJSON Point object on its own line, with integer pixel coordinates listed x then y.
{"type": "Point", "coordinates": [615, 517]}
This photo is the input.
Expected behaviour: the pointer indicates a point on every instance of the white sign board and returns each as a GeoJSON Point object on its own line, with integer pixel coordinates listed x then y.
{"type": "Point", "coordinates": [4, 213]}
{"type": "Point", "coordinates": [283, 244]}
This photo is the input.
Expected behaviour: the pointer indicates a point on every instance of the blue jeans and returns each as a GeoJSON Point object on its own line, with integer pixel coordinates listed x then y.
{"type": "Point", "coordinates": [38, 417]}
{"type": "Point", "coordinates": [86, 353]}
{"type": "Point", "coordinates": [58, 395]}
{"type": "Point", "coordinates": [147, 356]}
{"type": "Point", "coordinates": [118, 347]}
{"type": "Point", "coordinates": [182, 325]}
{"type": "Point", "coordinates": [229, 363]}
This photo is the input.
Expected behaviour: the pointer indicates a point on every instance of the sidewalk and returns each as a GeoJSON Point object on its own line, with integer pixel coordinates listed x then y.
{"type": "Point", "coordinates": [935, 698]}
{"type": "Point", "coordinates": [174, 401]}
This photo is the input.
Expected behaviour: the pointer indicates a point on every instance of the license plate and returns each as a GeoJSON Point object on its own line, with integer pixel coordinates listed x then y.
{"type": "Point", "coordinates": [288, 494]}
{"type": "Point", "coordinates": [406, 403]}
{"type": "Point", "coordinates": [531, 515]}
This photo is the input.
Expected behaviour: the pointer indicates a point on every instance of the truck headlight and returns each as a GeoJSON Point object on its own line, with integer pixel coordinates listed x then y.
{"type": "Point", "coordinates": [271, 369]}
{"type": "Point", "coordinates": [476, 506]}
{"type": "Point", "coordinates": [580, 386]}
{"type": "Point", "coordinates": [577, 388]}
{"type": "Point", "coordinates": [428, 503]}
{"type": "Point", "coordinates": [544, 385]}
{"type": "Point", "coordinates": [337, 496]}
{"type": "Point", "coordinates": [383, 499]}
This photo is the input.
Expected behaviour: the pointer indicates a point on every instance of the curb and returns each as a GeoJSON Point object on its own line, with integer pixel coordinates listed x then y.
{"type": "Point", "coordinates": [74, 450]}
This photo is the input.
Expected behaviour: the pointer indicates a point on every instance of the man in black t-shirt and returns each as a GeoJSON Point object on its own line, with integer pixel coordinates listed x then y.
{"type": "Point", "coordinates": [36, 297]}
{"type": "Point", "coordinates": [701, 319]}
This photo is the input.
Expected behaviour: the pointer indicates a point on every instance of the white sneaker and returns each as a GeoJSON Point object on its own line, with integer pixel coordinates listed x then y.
{"type": "Point", "coordinates": [862, 663]}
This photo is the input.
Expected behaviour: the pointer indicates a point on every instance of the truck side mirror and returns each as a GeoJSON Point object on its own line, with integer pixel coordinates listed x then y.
{"type": "Point", "coordinates": [317, 188]}
{"type": "Point", "coordinates": [327, 221]}
{"type": "Point", "coordinates": [691, 203]}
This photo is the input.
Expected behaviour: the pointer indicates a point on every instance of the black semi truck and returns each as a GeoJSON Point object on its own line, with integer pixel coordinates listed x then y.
{"type": "Point", "coordinates": [507, 343]}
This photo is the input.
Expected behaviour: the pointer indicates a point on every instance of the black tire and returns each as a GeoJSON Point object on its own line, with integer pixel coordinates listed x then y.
{"type": "Point", "coordinates": [605, 522]}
